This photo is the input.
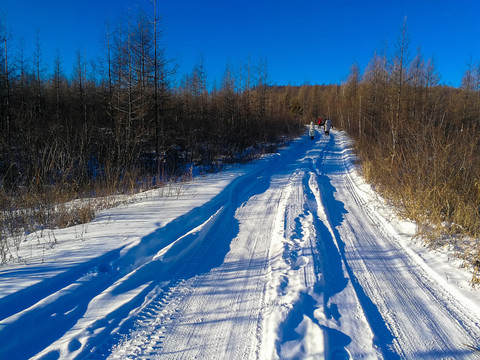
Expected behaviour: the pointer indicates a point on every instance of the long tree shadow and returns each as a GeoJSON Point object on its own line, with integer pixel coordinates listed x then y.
{"type": "Point", "coordinates": [134, 269]}
{"type": "Point", "coordinates": [327, 263]}
{"type": "Point", "coordinates": [207, 254]}
{"type": "Point", "coordinates": [335, 252]}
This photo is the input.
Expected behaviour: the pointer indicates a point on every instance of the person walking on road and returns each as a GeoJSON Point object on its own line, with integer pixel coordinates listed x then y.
{"type": "Point", "coordinates": [328, 125]}
{"type": "Point", "coordinates": [311, 132]}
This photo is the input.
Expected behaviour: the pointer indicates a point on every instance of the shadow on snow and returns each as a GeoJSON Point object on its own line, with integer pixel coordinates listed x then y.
{"type": "Point", "coordinates": [63, 300]}
{"type": "Point", "coordinates": [335, 254]}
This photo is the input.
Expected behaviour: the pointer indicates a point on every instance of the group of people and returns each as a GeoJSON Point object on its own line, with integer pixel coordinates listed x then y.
{"type": "Point", "coordinates": [326, 123]}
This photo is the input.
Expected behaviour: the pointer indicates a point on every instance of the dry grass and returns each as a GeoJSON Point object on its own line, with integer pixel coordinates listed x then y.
{"type": "Point", "coordinates": [28, 211]}
{"type": "Point", "coordinates": [41, 210]}
{"type": "Point", "coordinates": [437, 187]}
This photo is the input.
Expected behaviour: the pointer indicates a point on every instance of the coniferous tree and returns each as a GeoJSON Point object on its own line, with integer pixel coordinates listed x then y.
{"type": "Point", "coordinates": [400, 64]}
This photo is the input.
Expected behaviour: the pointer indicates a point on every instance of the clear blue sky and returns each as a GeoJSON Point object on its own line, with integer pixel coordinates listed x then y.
{"type": "Point", "coordinates": [303, 41]}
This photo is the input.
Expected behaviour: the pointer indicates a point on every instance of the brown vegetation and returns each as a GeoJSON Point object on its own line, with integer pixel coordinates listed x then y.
{"type": "Point", "coordinates": [119, 125]}
{"type": "Point", "coordinates": [419, 142]}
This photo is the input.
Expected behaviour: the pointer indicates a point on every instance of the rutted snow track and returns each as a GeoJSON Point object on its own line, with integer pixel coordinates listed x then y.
{"type": "Point", "coordinates": [288, 260]}
{"type": "Point", "coordinates": [411, 314]}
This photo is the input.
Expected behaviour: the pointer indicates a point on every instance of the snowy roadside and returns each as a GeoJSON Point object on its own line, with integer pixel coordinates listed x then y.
{"type": "Point", "coordinates": [292, 255]}
{"type": "Point", "coordinates": [441, 263]}
{"type": "Point", "coordinates": [39, 259]}
{"type": "Point", "coordinates": [115, 229]}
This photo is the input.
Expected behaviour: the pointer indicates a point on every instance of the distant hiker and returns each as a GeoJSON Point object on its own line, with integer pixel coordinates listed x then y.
{"type": "Point", "coordinates": [328, 125]}
{"type": "Point", "coordinates": [312, 130]}
{"type": "Point", "coordinates": [320, 122]}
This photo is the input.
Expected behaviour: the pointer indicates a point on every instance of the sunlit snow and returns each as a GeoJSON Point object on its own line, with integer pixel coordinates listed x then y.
{"type": "Point", "coordinates": [292, 256]}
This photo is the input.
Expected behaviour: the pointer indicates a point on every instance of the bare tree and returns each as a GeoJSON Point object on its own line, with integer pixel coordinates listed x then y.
{"type": "Point", "coordinates": [352, 97]}
{"type": "Point", "coordinates": [39, 72]}
{"type": "Point", "coordinates": [417, 79]}
{"type": "Point", "coordinates": [401, 61]}
{"type": "Point", "coordinates": [374, 82]}
{"type": "Point", "coordinates": [468, 87]}
{"type": "Point", "coordinates": [5, 78]}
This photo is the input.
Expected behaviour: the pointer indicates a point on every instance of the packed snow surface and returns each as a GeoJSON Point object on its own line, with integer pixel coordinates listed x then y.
{"type": "Point", "coordinates": [290, 257]}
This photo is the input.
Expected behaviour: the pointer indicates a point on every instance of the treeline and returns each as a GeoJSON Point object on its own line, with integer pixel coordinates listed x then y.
{"type": "Point", "coordinates": [123, 114]}
{"type": "Point", "coordinates": [119, 124]}
{"type": "Point", "coordinates": [419, 141]}
{"type": "Point", "coordinates": [123, 121]}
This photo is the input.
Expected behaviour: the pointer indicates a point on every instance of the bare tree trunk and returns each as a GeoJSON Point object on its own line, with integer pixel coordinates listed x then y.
{"type": "Point", "coordinates": [155, 95]}
{"type": "Point", "coordinates": [6, 121]}
{"type": "Point", "coordinates": [400, 65]}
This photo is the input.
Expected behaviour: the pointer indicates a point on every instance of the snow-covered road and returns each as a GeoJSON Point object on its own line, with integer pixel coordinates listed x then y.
{"type": "Point", "coordinates": [290, 257]}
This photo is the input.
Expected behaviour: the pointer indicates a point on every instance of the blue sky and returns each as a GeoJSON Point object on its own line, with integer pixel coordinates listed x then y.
{"type": "Point", "coordinates": [303, 41]}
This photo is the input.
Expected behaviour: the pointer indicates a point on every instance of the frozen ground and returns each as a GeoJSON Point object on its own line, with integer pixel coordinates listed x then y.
{"type": "Point", "coordinates": [290, 257]}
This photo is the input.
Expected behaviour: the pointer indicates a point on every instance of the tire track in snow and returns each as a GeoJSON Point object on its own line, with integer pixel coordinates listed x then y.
{"type": "Point", "coordinates": [74, 291]}
{"type": "Point", "coordinates": [399, 300]}
{"type": "Point", "coordinates": [182, 332]}
{"type": "Point", "coordinates": [383, 338]}
{"type": "Point", "coordinates": [334, 214]}
{"type": "Point", "coordinates": [142, 333]}
{"type": "Point", "coordinates": [345, 325]}
{"type": "Point", "coordinates": [427, 305]}
{"type": "Point", "coordinates": [133, 266]}
{"type": "Point", "coordinates": [331, 304]}
{"type": "Point", "coordinates": [308, 320]}
{"type": "Point", "coordinates": [229, 295]}
{"type": "Point", "coordinates": [296, 290]}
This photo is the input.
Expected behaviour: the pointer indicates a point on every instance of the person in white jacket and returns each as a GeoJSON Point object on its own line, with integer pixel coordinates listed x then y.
{"type": "Point", "coordinates": [328, 125]}
{"type": "Point", "coordinates": [311, 132]}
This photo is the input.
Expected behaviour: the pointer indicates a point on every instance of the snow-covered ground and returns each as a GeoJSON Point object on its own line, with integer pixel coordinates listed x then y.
{"type": "Point", "coordinates": [290, 257]}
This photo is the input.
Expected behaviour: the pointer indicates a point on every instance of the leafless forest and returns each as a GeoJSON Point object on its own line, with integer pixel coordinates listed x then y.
{"type": "Point", "coordinates": [418, 140]}
{"type": "Point", "coordinates": [122, 123]}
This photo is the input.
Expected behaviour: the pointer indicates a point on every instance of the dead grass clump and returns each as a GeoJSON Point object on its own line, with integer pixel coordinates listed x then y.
{"type": "Point", "coordinates": [25, 211]}
{"type": "Point", "coordinates": [475, 281]}
{"type": "Point", "coordinates": [40, 208]}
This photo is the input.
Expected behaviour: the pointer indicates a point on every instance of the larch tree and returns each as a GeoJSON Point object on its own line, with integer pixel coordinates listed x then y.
{"type": "Point", "coordinates": [417, 79]}
{"type": "Point", "coordinates": [400, 65]}
{"type": "Point", "coordinates": [374, 81]}
{"type": "Point", "coordinates": [468, 89]}
{"type": "Point", "coordinates": [351, 95]}
{"type": "Point", "coordinates": [5, 79]}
